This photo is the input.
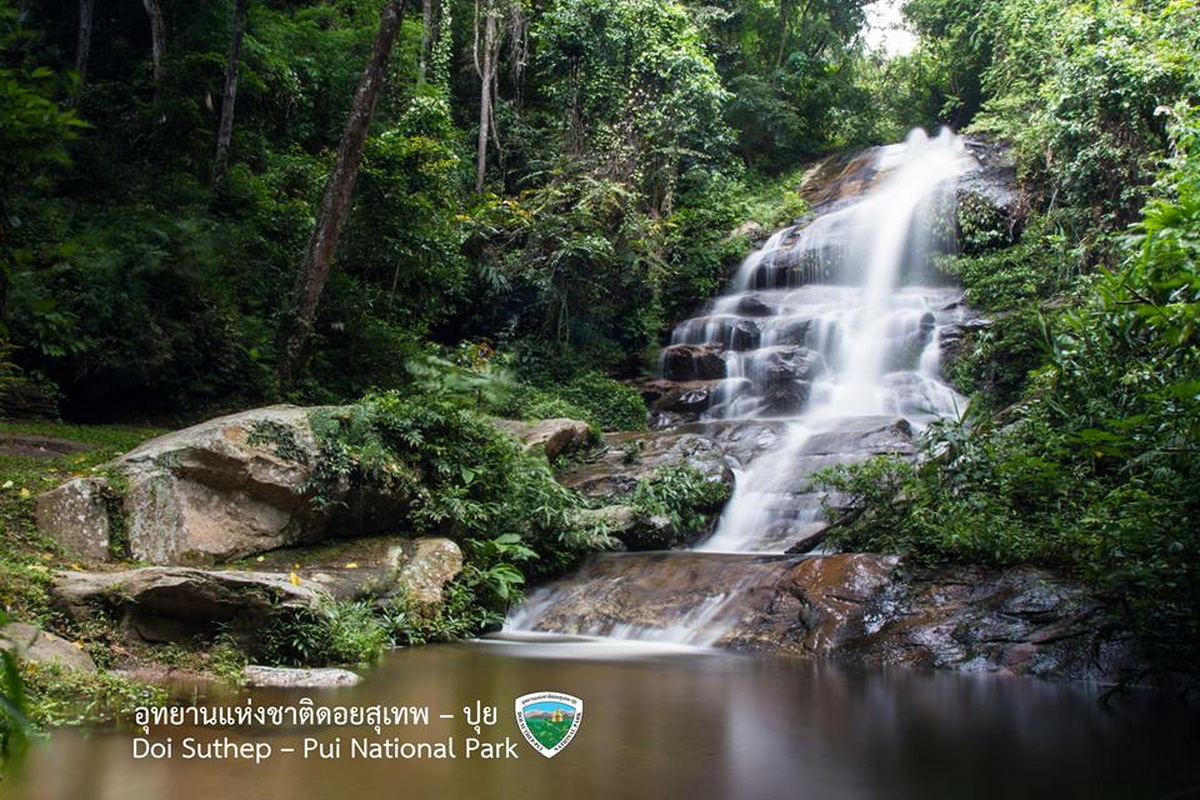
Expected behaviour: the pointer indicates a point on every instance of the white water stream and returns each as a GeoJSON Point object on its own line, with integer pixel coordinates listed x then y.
{"type": "Point", "coordinates": [832, 327]}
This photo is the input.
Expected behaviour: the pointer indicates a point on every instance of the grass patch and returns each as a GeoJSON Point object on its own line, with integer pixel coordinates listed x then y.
{"type": "Point", "coordinates": [55, 696]}
{"type": "Point", "coordinates": [27, 558]}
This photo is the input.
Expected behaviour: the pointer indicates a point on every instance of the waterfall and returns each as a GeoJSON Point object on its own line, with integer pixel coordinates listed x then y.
{"type": "Point", "coordinates": [831, 327]}
{"type": "Point", "coordinates": [849, 338]}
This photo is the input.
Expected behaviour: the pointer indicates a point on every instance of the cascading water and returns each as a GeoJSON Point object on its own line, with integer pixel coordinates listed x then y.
{"type": "Point", "coordinates": [831, 328]}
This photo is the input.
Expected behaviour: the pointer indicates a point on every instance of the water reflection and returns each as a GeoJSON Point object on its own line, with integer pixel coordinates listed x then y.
{"type": "Point", "coordinates": [686, 723]}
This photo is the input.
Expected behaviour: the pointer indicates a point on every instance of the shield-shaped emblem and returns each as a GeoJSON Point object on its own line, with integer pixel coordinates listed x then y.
{"type": "Point", "coordinates": [549, 720]}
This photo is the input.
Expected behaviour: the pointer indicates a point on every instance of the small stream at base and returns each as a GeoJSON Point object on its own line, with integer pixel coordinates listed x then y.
{"type": "Point", "coordinates": [665, 722]}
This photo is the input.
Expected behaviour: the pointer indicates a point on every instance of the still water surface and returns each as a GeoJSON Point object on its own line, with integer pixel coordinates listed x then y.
{"type": "Point", "coordinates": [678, 723]}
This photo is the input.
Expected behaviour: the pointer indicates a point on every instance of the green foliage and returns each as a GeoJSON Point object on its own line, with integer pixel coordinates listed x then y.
{"type": "Point", "coordinates": [136, 291]}
{"type": "Point", "coordinates": [1030, 271]}
{"type": "Point", "coordinates": [682, 495]}
{"type": "Point", "coordinates": [338, 633]}
{"type": "Point", "coordinates": [37, 128]}
{"type": "Point", "coordinates": [638, 93]}
{"type": "Point", "coordinates": [996, 362]}
{"type": "Point", "coordinates": [459, 474]}
{"type": "Point", "coordinates": [606, 403]}
{"type": "Point", "coordinates": [1076, 89]}
{"type": "Point", "coordinates": [72, 697]}
{"type": "Point", "coordinates": [461, 615]}
{"type": "Point", "coordinates": [589, 396]}
{"type": "Point", "coordinates": [795, 76]}
{"type": "Point", "coordinates": [1095, 471]}
{"type": "Point", "coordinates": [492, 566]}
{"type": "Point", "coordinates": [14, 718]}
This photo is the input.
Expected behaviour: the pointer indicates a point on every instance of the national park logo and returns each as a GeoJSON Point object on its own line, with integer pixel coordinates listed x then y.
{"type": "Point", "coordinates": [549, 720]}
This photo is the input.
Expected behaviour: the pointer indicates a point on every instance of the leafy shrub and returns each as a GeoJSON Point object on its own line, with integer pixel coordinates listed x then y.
{"type": "Point", "coordinates": [683, 495]}
{"type": "Point", "coordinates": [1013, 276]}
{"type": "Point", "coordinates": [340, 633]}
{"type": "Point", "coordinates": [608, 404]}
{"type": "Point", "coordinates": [995, 364]}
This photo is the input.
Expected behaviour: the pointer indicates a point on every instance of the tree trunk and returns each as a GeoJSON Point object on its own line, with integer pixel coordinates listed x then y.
{"type": "Point", "coordinates": [229, 100]}
{"type": "Point", "coordinates": [426, 39]}
{"type": "Point", "coordinates": [158, 36]}
{"type": "Point", "coordinates": [487, 75]}
{"type": "Point", "coordinates": [335, 203]}
{"type": "Point", "coordinates": [83, 44]}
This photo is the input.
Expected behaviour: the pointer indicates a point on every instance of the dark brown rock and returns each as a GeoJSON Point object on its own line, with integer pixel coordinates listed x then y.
{"type": "Point", "coordinates": [693, 362]}
{"type": "Point", "coordinates": [863, 608]}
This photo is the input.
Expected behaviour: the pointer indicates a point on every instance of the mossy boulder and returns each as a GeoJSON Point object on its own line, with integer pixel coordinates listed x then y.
{"type": "Point", "coordinates": [218, 491]}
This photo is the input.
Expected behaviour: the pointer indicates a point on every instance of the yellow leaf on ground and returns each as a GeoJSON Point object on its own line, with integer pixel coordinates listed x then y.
{"type": "Point", "coordinates": [293, 579]}
{"type": "Point", "coordinates": [352, 565]}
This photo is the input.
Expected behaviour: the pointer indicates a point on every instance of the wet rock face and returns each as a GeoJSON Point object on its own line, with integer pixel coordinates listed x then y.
{"type": "Point", "coordinates": [680, 401]}
{"type": "Point", "coordinates": [744, 334]}
{"type": "Point", "coordinates": [693, 362]}
{"type": "Point", "coordinates": [953, 339]}
{"type": "Point", "coordinates": [713, 449]}
{"type": "Point", "coordinates": [859, 607]}
{"type": "Point", "coordinates": [790, 362]}
{"type": "Point", "coordinates": [991, 209]}
{"type": "Point", "coordinates": [754, 306]}
{"type": "Point", "coordinates": [880, 611]}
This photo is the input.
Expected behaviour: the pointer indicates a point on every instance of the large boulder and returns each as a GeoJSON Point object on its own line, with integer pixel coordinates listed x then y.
{"type": "Point", "coordinates": [34, 645]}
{"type": "Point", "coordinates": [217, 491]}
{"type": "Point", "coordinates": [178, 604]}
{"type": "Point", "coordinates": [372, 568]}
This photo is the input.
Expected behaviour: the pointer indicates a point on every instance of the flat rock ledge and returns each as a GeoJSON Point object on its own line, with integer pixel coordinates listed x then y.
{"type": "Point", "coordinates": [180, 604]}
{"type": "Point", "coordinates": [259, 677]}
